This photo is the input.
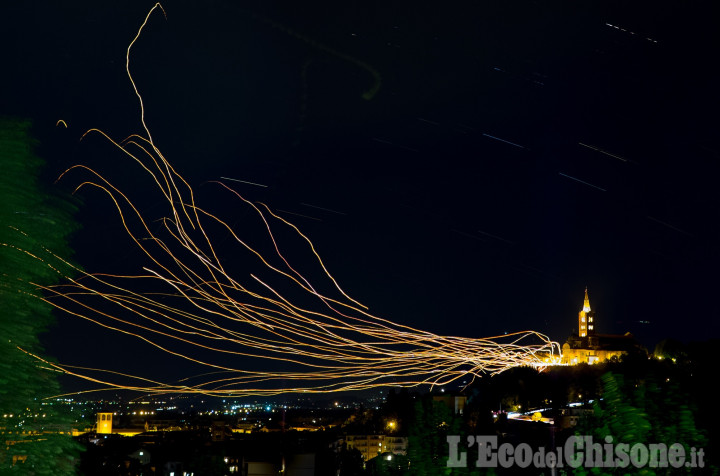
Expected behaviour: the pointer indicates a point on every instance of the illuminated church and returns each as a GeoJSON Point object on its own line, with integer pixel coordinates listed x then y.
{"type": "Point", "coordinates": [587, 346]}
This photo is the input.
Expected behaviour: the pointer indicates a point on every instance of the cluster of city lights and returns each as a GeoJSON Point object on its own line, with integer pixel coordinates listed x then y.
{"type": "Point", "coordinates": [188, 303]}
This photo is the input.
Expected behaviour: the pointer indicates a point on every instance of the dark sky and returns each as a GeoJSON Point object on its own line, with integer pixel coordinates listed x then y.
{"type": "Point", "coordinates": [514, 153]}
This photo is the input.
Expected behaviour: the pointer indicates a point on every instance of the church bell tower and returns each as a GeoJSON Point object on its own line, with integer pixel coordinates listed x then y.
{"type": "Point", "coordinates": [586, 318]}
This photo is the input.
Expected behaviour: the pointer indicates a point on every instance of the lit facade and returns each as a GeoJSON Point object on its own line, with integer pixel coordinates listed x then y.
{"type": "Point", "coordinates": [104, 423]}
{"type": "Point", "coordinates": [591, 353]}
{"type": "Point", "coordinates": [371, 446]}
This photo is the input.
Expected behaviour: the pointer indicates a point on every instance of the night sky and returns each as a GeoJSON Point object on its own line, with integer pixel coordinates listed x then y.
{"type": "Point", "coordinates": [514, 153]}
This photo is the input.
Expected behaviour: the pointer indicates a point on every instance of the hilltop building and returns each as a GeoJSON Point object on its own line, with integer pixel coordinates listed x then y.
{"type": "Point", "coordinates": [588, 346]}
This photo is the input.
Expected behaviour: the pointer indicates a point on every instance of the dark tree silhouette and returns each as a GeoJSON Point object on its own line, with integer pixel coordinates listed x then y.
{"type": "Point", "coordinates": [36, 438]}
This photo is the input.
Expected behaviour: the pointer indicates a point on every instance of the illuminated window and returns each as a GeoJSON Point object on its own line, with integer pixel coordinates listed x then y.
{"type": "Point", "coordinates": [583, 319]}
{"type": "Point", "coordinates": [590, 327]}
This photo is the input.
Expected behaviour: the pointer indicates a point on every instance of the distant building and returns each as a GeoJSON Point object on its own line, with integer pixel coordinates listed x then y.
{"type": "Point", "coordinates": [570, 417]}
{"type": "Point", "coordinates": [219, 430]}
{"type": "Point", "coordinates": [104, 423]}
{"type": "Point", "coordinates": [173, 467]}
{"type": "Point", "coordinates": [456, 403]}
{"type": "Point", "coordinates": [141, 455]}
{"type": "Point", "coordinates": [589, 347]}
{"type": "Point", "coordinates": [371, 446]}
{"type": "Point", "coordinates": [163, 425]}
{"type": "Point", "coordinates": [244, 427]}
{"type": "Point", "coordinates": [300, 464]}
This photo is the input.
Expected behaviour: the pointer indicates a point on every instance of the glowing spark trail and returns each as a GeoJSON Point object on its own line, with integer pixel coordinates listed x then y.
{"type": "Point", "coordinates": [186, 302]}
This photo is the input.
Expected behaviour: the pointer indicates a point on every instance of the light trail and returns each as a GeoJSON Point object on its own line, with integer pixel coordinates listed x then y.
{"type": "Point", "coordinates": [582, 182]}
{"type": "Point", "coordinates": [427, 121]}
{"type": "Point", "coordinates": [323, 208]}
{"type": "Point", "coordinates": [669, 226]}
{"type": "Point", "coordinates": [244, 181]}
{"type": "Point", "coordinates": [299, 215]}
{"type": "Point", "coordinates": [325, 340]}
{"type": "Point", "coordinates": [619, 28]}
{"type": "Point", "coordinates": [494, 236]}
{"type": "Point", "coordinates": [503, 140]}
{"type": "Point", "coordinates": [602, 151]}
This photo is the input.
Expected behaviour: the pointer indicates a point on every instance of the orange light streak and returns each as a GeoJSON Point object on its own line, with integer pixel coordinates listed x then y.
{"type": "Point", "coordinates": [326, 343]}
